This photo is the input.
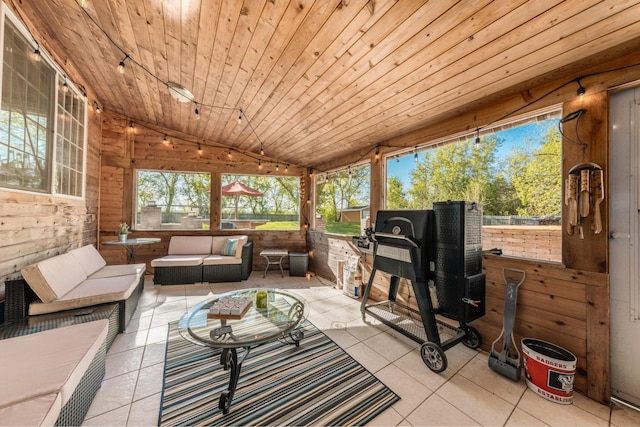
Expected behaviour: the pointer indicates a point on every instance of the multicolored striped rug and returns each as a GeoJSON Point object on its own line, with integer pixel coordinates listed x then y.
{"type": "Point", "coordinates": [316, 383]}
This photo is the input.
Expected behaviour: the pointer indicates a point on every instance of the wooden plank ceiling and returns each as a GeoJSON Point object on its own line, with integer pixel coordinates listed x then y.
{"type": "Point", "coordinates": [318, 80]}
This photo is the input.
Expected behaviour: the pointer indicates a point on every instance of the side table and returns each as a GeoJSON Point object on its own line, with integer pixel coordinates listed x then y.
{"type": "Point", "coordinates": [274, 257]}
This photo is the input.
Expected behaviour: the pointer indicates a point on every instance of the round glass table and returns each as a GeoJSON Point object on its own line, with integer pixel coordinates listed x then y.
{"type": "Point", "coordinates": [240, 320]}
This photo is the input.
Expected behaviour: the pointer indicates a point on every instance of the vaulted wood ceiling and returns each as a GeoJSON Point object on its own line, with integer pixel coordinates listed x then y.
{"type": "Point", "coordinates": [320, 79]}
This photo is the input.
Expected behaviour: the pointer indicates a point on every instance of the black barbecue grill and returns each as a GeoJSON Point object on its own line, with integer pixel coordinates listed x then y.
{"type": "Point", "coordinates": [406, 246]}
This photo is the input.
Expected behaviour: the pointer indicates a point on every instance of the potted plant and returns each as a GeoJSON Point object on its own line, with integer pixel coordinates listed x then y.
{"type": "Point", "coordinates": [123, 231]}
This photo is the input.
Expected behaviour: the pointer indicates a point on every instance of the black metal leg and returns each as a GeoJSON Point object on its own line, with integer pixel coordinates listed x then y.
{"type": "Point", "coordinates": [230, 361]}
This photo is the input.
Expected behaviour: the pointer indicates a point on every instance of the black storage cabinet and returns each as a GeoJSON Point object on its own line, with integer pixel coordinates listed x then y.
{"type": "Point", "coordinates": [298, 263]}
{"type": "Point", "coordinates": [458, 262]}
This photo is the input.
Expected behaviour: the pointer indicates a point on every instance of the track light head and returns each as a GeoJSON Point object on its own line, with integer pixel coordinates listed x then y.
{"type": "Point", "coordinates": [196, 112]}
{"type": "Point", "coordinates": [36, 54]}
{"type": "Point", "coordinates": [121, 64]}
{"type": "Point", "coordinates": [581, 90]}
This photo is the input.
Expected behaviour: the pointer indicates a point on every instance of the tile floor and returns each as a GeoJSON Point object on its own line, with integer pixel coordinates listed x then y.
{"type": "Point", "coordinates": [467, 393]}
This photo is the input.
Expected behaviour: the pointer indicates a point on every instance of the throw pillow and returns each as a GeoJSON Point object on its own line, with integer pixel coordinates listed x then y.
{"type": "Point", "coordinates": [229, 247]}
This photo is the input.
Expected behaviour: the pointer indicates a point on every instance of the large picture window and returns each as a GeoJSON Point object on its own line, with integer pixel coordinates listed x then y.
{"type": "Point", "coordinates": [342, 201]}
{"type": "Point", "coordinates": [172, 200]}
{"type": "Point", "coordinates": [514, 171]}
{"type": "Point", "coordinates": [258, 202]}
{"type": "Point", "coordinates": [38, 153]}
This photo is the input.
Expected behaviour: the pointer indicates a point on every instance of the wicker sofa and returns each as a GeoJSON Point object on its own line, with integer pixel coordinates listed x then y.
{"type": "Point", "coordinates": [76, 279]}
{"type": "Point", "coordinates": [194, 259]}
{"type": "Point", "coordinates": [51, 377]}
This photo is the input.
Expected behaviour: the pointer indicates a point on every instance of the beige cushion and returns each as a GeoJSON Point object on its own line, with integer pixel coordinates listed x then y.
{"type": "Point", "coordinates": [218, 241]}
{"type": "Point", "coordinates": [39, 411]}
{"type": "Point", "coordinates": [119, 270]}
{"type": "Point", "coordinates": [221, 260]}
{"type": "Point", "coordinates": [89, 293]}
{"type": "Point", "coordinates": [52, 278]}
{"type": "Point", "coordinates": [178, 261]}
{"type": "Point", "coordinates": [89, 258]}
{"type": "Point", "coordinates": [51, 361]}
{"type": "Point", "coordinates": [190, 245]}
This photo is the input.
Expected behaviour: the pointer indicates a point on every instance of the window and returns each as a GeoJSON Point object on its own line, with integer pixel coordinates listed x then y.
{"type": "Point", "coordinates": [33, 147]}
{"type": "Point", "coordinates": [514, 172]}
{"type": "Point", "coordinates": [172, 200]}
{"type": "Point", "coordinates": [342, 201]}
{"type": "Point", "coordinates": [260, 202]}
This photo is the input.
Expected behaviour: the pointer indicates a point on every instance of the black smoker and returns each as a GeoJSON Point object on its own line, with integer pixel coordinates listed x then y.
{"type": "Point", "coordinates": [440, 252]}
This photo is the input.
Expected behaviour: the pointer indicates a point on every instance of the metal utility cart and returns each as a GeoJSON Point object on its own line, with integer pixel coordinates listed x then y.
{"type": "Point", "coordinates": [406, 246]}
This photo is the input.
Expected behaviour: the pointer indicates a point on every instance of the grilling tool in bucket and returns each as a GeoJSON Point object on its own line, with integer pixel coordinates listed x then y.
{"type": "Point", "coordinates": [502, 362]}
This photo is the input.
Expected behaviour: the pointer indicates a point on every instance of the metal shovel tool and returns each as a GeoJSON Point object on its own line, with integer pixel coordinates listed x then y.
{"type": "Point", "coordinates": [502, 362]}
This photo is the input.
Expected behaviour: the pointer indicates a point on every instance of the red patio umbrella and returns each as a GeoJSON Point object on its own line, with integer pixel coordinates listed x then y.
{"type": "Point", "coordinates": [238, 189]}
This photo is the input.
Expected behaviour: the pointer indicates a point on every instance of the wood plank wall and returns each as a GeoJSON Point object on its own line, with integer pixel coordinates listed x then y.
{"type": "Point", "coordinates": [125, 150]}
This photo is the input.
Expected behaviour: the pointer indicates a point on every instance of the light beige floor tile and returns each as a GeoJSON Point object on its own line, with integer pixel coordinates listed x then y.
{"type": "Point", "coordinates": [556, 414]}
{"type": "Point", "coordinates": [390, 417]}
{"type": "Point", "coordinates": [168, 292]}
{"type": "Point", "coordinates": [591, 406]}
{"type": "Point", "coordinates": [367, 358]}
{"type": "Point", "coordinates": [149, 381]}
{"type": "Point", "coordinates": [340, 336]}
{"type": "Point", "coordinates": [411, 392]}
{"type": "Point", "coordinates": [390, 345]}
{"type": "Point", "coordinates": [412, 364]}
{"type": "Point", "coordinates": [478, 371]}
{"type": "Point", "coordinates": [124, 342]}
{"type": "Point", "coordinates": [170, 306]}
{"type": "Point", "coordinates": [221, 288]}
{"type": "Point", "coordinates": [123, 362]}
{"type": "Point", "coordinates": [320, 321]}
{"type": "Point", "coordinates": [365, 329]}
{"type": "Point", "coordinates": [158, 335]}
{"type": "Point", "coordinates": [117, 417]}
{"type": "Point", "coordinates": [138, 323]}
{"type": "Point", "coordinates": [623, 416]}
{"type": "Point", "coordinates": [114, 393]}
{"type": "Point", "coordinates": [343, 314]}
{"type": "Point", "coordinates": [145, 412]}
{"type": "Point", "coordinates": [436, 411]}
{"type": "Point", "coordinates": [474, 401]}
{"type": "Point", "coordinates": [161, 319]}
{"type": "Point", "coordinates": [154, 354]}
{"type": "Point", "coordinates": [520, 418]}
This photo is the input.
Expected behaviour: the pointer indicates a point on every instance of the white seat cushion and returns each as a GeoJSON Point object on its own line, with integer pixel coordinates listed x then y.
{"type": "Point", "coordinates": [90, 292]}
{"type": "Point", "coordinates": [189, 245]}
{"type": "Point", "coordinates": [178, 261]}
{"type": "Point", "coordinates": [119, 270]}
{"type": "Point", "coordinates": [51, 361]}
{"type": "Point", "coordinates": [39, 411]}
{"type": "Point", "coordinates": [52, 278]}
{"type": "Point", "coordinates": [89, 258]}
{"type": "Point", "coordinates": [221, 260]}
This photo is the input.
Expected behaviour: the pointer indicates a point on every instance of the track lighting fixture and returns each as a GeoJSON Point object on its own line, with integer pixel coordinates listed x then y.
{"type": "Point", "coordinates": [199, 148]}
{"type": "Point", "coordinates": [581, 90]}
{"type": "Point", "coordinates": [229, 154]}
{"type": "Point", "coordinates": [260, 164]}
{"type": "Point", "coordinates": [240, 117]}
{"type": "Point", "coordinates": [286, 168]}
{"type": "Point", "coordinates": [165, 140]}
{"type": "Point", "coordinates": [477, 145]}
{"type": "Point", "coordinates": [277, 167]}
{"type": "Point", "coordinates": [197, 112]}
{"type": "Point", "coordinates": [121, 64]}
{"type": "Point", "coordinates": [98, 110]}
{"type": "Point", "coordinates": [377, 153]}
{"type": "Point", "coordinates": [36, 53]}
{"type": "Point", "coordinates": [65, 86]}
{"type": "Point", "coordinates": [261, 149]}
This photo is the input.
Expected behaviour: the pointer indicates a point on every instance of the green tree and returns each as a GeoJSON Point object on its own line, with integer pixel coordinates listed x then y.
{"type": "Point", "coordinates": [196, 191]}
{"type": "Point", "coordinates": [342, 190]}
{"type": "Point", "coordinates": [396, 198]}
{"type": "Point", "coordinates": [537, 179]}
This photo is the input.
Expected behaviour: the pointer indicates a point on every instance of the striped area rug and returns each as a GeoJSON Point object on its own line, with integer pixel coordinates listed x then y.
{"type": "Point", "coordinates": [316, 383]}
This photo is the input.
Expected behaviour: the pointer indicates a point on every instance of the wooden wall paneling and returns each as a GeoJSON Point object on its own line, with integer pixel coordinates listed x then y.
{"type": "Point", "coordinates": [586, 250]}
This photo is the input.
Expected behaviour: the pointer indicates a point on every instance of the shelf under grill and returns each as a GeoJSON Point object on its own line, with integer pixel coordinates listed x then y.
{"type": "Point", "coordinates": [407, 321]}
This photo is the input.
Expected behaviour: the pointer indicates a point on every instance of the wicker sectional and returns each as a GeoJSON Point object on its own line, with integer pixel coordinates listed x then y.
{"type": "Point", "coordinates": [195, 259]}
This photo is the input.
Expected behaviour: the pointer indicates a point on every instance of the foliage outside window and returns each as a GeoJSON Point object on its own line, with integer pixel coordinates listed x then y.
{"type": "Point", "coordinates": [260, 202]}
{"type": "Point", "coordinates": [172, 200]}
{"type": "Point", "coordinates": [514, 172]}
{"type": "Point", "coordinates": [342, 201]}
{"type": "Point", "coordinates": [32, 145]}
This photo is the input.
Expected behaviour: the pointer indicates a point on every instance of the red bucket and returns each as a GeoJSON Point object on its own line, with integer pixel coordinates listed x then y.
{"type": "Point", "coordinates": [549, 370]}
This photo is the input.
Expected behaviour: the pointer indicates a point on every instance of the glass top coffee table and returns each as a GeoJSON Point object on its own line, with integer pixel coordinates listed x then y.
{"type": "Point", "coordinates": [241, 320]}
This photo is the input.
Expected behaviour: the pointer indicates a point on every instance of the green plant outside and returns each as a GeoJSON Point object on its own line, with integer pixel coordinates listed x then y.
{"type": "Point", "coordinates": [279, 225]}
{"type": "Point", "coordinates": [348, 228]}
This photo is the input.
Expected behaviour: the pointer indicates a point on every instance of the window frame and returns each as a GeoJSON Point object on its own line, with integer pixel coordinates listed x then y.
{"type": "Point", "coordinates": [52, 145]}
